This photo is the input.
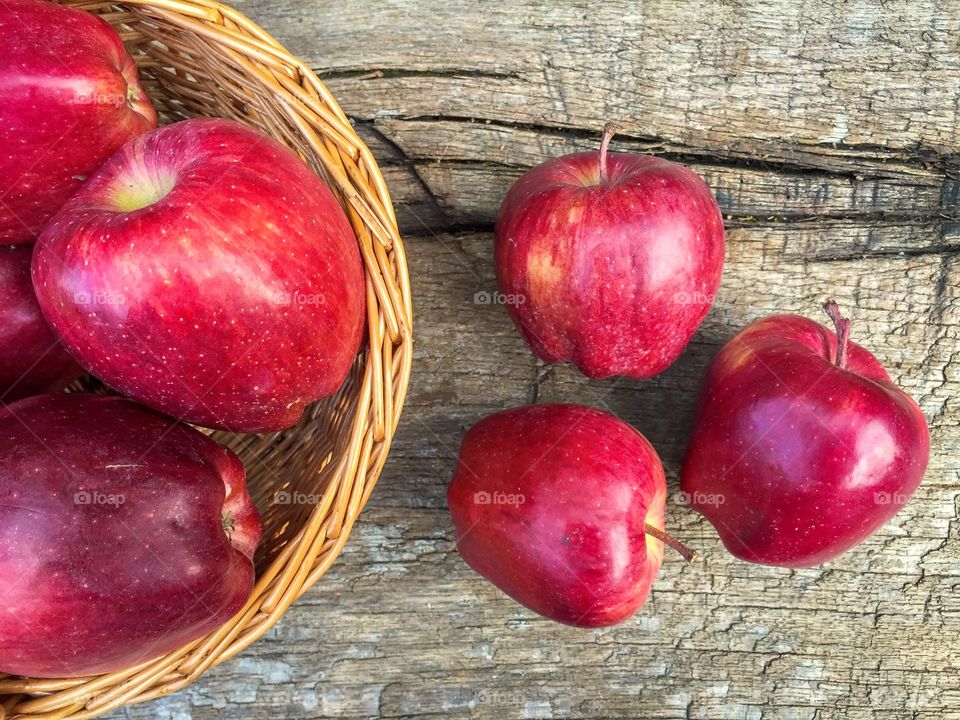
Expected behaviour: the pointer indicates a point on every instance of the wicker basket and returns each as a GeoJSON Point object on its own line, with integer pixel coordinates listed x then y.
{"type": "Point", "coordinates": [198, 57]}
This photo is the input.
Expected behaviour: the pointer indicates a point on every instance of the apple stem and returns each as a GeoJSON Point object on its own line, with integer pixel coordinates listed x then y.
{"type": "Point", "coordinates": [843, 331]}
{"type": "Point", "coordinates": [608, 132]}
{"type": "Point", "coordinates": [688, 554]}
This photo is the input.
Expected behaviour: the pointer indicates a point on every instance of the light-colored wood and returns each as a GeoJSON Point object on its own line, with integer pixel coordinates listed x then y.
{"type": "Point", "coordinates": [830, 133]}
{"type": "Point", "coordinates": [198, 57]}
{"type": "Point", "coordinates": [401, 627]}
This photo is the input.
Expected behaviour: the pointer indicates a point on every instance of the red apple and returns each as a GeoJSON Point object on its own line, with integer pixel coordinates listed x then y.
{"type": "Point", "coordinates": [802, 445]}
{"type": "Point", "coordinates": [206, 271]}
{"type": "Point", "coordinates": [124, 535]}
{"type": "Point", "coordinates": [561, 507]}
{"type": "Point", "coordinates": [613, 260]}
{"type": "Point", "coordinates": [69, 98]}
{"type": "Point", "coordinates": [32, 360]}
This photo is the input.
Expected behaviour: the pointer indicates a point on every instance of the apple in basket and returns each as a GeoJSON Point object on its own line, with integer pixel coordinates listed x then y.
{"type": "Point", "coordinates": [69, 98]}
{"type": "Point", "coordinates": [206, 271]}
{"type": "Point", "coordinates": [615, 256]}
{"type": "Point", "coordinates": [561, 507]}
{"type": "Point", "coordinates": [124, 535]}
{"type": "Point", "coordinates": [32, 360]}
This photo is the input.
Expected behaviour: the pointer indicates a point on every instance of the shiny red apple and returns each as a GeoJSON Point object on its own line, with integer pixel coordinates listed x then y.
{"type": "Point", "coordinates": [612, 260]}
{"type": "Point", "coordinates": [561, 507]}
{"type": "Point", "coordinates": [207, 271]}
{"type": "Point", "coordinates": [802, 445]}
{"type": "Point", "coordinates": [32, 360]}
{"type": "Point", "coordinates": [69, 98]}
{"type": "Point", "coordinates": [124, 535]}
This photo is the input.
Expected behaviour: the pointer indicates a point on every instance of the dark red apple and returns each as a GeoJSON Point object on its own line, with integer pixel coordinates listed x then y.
{"type": "Point", "coordinates": [802, 445]}
{"type": "Point", "coordinates": [69, 98]}
{"type": "Point", "coordinates": [613, 259]}
{"type": "Point", "coordinates": [206, 271]}
{"type": "Point", "coordinates": [561, 507]}
{"type": "Point", "coordinates": [124, 535]}
{"type": "Point", "coordinates": [32, 360]}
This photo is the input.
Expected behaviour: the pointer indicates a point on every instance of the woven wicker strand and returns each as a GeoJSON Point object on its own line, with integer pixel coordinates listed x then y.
{"type": "Point", "coordinates": [198, 57]}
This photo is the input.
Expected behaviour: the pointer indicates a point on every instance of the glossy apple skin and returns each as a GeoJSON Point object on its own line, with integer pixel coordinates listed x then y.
{"type": "Point", "coordinates": [612, 276]}
{"type": "Point", "coordinates": [574, 549]}
{"type": "Point", "coordinates": [233, 301]}
{"type": "Point", "coordinates": [32, 360]}
{"type": "Point", "coordinates": [807, 458]}
{"type": "Point", "coordinates": [113, 541]}
{"type": "Point", "coordinates": [69, 98]}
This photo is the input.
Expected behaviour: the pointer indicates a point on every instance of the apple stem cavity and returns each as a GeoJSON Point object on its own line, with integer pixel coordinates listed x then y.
{"type": "Point", "coordinates": [688, 554]}
{"type": "Point", "coordinates": [843, 331]}
{"type": "Point", "coordinates": [229, 523]}
{"type": "Point", "coordinates": [609, 130]}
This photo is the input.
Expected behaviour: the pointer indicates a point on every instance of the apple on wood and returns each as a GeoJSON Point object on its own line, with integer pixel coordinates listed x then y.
{"type": "Point", "coordinates": [561, 507]}
{"type": "Point", "coordinates": [32, 360]}
{"type": "Point", "coordinates": [802, 445]}
{"type": "Point", "coordinates": [124, 535]}
{"type": "Point", "coordinates": [616, 256]}
{"type": "Point", "coordinates": [69, 98]}
{"type": "Point", "coordinates": [206, 271]}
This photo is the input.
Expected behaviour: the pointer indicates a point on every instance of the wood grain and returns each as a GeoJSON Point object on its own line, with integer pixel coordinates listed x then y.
{"type": "Point", "coordinates": [829, 134]}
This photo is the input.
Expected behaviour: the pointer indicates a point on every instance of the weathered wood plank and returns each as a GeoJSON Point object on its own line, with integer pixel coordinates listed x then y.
{"type": "Point", "coordinates": [737, 75]}
{"type": "Point", "coordinates": [734, 83]}
{"type": "Point", "coordinates": [457, 173]}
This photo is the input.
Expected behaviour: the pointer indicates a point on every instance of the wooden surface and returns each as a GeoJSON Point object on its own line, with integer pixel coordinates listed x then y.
{"type": "Point", "coordinates": [829, 133]}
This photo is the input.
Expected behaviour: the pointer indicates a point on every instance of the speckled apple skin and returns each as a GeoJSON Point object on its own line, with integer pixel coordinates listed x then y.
{"type": "Point", "coordinates": [809, 459]}
{"type": "Point", "coordinates": [64, 108]}
{"type": "Point", "coordinates": [614, 277]}
{"type": "Point", "coordinates": [575, 549]}
{"type": "Point", "coordinates": [231, 302]}
{"type": "Point", "coordinates": [113, 550]}
{"type": "Point", "coordinates": [32, 360]}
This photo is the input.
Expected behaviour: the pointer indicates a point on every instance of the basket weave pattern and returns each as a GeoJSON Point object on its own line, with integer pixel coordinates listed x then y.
{"type": "Point", "coordinates": [198, 57]}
